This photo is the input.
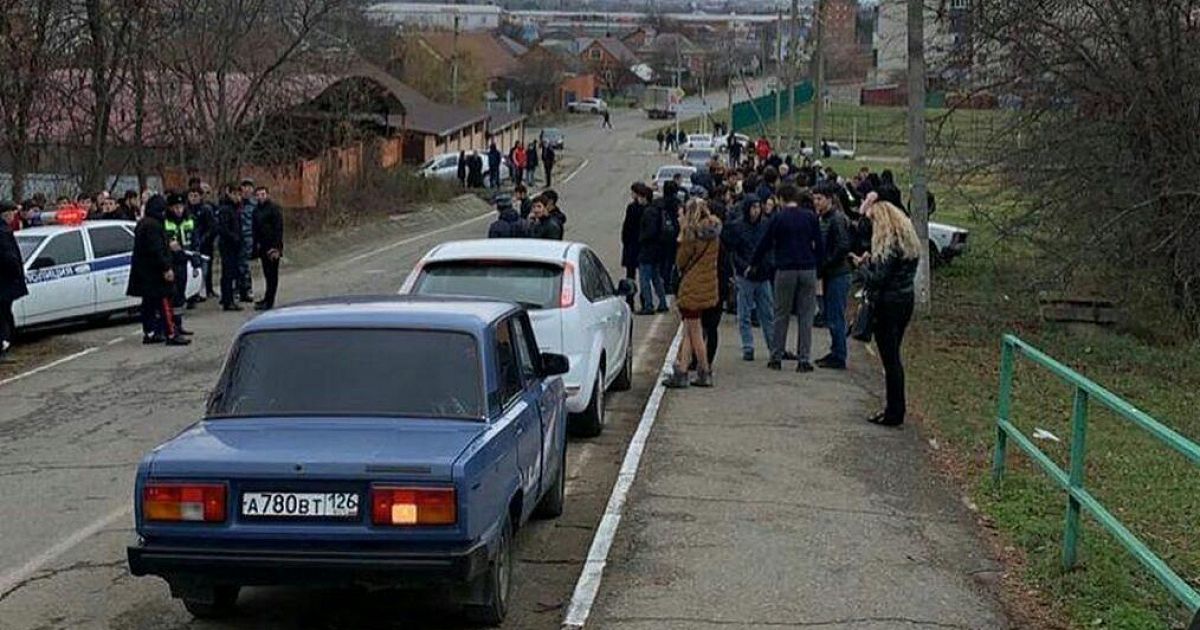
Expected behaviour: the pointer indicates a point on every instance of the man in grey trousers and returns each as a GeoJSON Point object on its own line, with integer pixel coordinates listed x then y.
{"type": "Point", "coordinates": [794, 236]}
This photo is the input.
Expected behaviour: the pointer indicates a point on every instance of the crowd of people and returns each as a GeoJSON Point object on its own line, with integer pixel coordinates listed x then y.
{"type": "Point", "coordinates": [173, 230]}
{"type": "Point", "coordinates": [522, 161]}
{"type": "Point", "coordinates": [770, 238]}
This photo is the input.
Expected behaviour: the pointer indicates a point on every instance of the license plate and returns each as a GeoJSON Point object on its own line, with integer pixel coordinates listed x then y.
{"type": "Point", "coordinates": [300, 504]}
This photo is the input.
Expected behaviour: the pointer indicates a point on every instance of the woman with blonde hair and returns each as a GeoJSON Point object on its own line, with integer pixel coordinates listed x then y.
{"type": "Point", "coordinates": [887, 273]}
{"type": "Point", "coordinates": [696, 258]}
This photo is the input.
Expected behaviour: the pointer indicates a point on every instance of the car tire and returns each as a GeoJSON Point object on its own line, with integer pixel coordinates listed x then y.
{"type": "Point", "coordinates": [624, 380]}
{"type": "Point", "coordinates": [590, 422]}
{"type": "Point", "coordinates": [551, 505]}
{"type": "Point", "coordinates": [496, 584]}
{"type": "Point", "coordinates": [222, 606]}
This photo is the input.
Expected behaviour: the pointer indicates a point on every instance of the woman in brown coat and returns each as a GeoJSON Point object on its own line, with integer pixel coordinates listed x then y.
{"type": "Point", "coordinates": [696, 258]}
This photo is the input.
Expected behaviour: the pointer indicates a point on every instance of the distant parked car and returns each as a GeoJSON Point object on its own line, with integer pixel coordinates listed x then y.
{"type": "Point", "coordinates": [699, 158]}
{"type": "Point", "coordinates": [946, 242]}
{"type": "Point", "coordinates": [588, 105]}
{"type": "Point", "coordinates": [668, 172]}
{"type": "Point", "coordinates": [575, 307]}
{"type": "Point", "coordinates": [554, 137]}
{"type": "Point", "coordinates": [698, 141]}
{"type": "Point", "coordinates": [361, 441]}
{"type": "Point", "coordinates": [445, 166]}
{"type": "Point", "coordinates": [834, 151]}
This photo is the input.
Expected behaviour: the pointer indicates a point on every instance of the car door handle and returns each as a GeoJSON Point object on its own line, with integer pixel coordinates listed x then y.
{"type": "Point", "coordinates": [81, 268]}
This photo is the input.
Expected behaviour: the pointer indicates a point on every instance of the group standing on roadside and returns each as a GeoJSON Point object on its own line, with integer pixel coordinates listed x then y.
{"type": "Point", "coordinates": [775, 237]}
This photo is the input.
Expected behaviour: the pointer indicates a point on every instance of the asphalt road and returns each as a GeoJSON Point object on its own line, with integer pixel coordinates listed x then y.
{"type": "Point", "coordinates": [72, 434]}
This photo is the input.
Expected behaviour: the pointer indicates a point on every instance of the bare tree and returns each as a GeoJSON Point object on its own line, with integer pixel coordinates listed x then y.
{"type": "Point", "coordinates": [1100, 139]}
{"type": "Point", "coordinates": [31, 47]}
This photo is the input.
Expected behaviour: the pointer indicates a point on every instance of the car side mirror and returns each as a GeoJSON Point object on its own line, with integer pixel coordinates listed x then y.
{"type": "Point", "coordinates": [555, 364]}
{"type": "Point", "coordinates": [626, 288]}
{"type": "Point", "coordinates": [43, 262]}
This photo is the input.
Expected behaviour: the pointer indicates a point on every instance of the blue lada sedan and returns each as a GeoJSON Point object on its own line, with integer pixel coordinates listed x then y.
{"type": "Point", "coordinates": [381, 441]}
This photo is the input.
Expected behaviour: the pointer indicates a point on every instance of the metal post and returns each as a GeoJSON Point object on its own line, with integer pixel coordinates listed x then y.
{"type": "Point", "coordinates": [818, 76]}
{"type": "Point", "coordinates": [778, 68]}
{"type": "Point", "coordinates": [1079, 418]}
{"type": "Point", "coordinates": [1003, 409]}
{"type": "Point", "coordinates": [454, 64]}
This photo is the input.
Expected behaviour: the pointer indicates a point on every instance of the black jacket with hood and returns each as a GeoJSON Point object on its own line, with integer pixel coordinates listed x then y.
{"type": "Point", "coordinates": [151, 254]}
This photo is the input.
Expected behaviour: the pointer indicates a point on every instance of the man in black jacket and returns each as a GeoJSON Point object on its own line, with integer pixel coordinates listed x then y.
{"type": "Point", "coordinates": [229, 243]}
{"type": "Point", "coordinates": [631, 230]}
{"type": "Point", "coordinates": [268, 243]}
{"type": "Point", "coordinates": [548, 158]}
{"type": "Point", "coordinates": [754, 292]}
{"type": "Point", "coordinates": [649, 258]}
{"type": "Point", "coordinates": [834, 271]}
{"type": "Point", "coordinates": [204, 238]}
{"type": "Point", "coordinates": [542, 224]}
{"type": "Point", "coordinates": [509, 224]}
{"type": "Point", "coordinates": [12, 277]}
{"type": "Point", "coordinates": [152, 278]}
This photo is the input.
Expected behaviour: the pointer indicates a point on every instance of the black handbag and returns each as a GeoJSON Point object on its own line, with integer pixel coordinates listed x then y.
{"type": "Point", "coordinates": [864, 322]}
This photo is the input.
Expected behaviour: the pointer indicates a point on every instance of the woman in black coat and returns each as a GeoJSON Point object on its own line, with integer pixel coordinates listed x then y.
{"type": "Point", "coordinates": [152, 278]}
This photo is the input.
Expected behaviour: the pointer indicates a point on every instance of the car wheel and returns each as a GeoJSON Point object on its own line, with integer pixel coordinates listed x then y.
{"type": "Point", "coordinates": [590, 422]}
{"type": "Point", "coordinates": [223, 604]}
{"type": "Point", "coordinates": [624, 380]}
{"type": "Point", "coordinates": [551, 505]}
{"type": "Point", "coordinates": [496, 584]}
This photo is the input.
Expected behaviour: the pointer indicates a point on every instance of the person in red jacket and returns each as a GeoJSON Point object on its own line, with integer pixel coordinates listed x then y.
{"type": "Point", "coordinates": [520, 161]}
{"type": "Point", "coordinates": [762, 149]}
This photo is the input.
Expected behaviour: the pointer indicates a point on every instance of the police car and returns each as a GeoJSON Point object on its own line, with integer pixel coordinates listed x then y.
{"type": "Point", "coordinates": [78, 269]}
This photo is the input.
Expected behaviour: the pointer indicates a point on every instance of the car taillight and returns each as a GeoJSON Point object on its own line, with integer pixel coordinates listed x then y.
{"type": "Point", "coordinates": [198, 502]}
{"type": "Point", "coordinates": [567, 298]}
{"type": "Point", "coordinates": [413, 506]}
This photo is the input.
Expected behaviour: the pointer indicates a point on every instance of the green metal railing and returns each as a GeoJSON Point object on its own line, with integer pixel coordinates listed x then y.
{"type": "Point", "coordinates": [1078, 498]}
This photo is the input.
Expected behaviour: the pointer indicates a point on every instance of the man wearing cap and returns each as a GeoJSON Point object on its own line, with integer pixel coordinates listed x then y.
{"type": "Point", "coordinates": [12, 277]}
{"type": "Point", "coordinates": [180, 229]}
{"type": "Point", "coordinates": [509, 224]}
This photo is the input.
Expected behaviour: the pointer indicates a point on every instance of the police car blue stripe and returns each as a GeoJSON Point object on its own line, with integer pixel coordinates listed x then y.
{"type": "Point", "coordinates": [111, 262]}
{"type": "Point", "coordinates": [67, 271]}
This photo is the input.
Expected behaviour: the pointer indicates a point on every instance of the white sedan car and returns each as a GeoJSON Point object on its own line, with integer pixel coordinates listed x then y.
{"type": "Point", "coordinates": [722, 141]}
{"type": "Point", "coordinates": [589, 105]}
{"type": "Point", "coordinates": [575, 308]}
{"type": "Point", "coordinates": [666, 173]}
{"type": "Point", "coordinates": [698, 141]}
{"type": "Point", "coordinates": [835, 151]}
{"type": "Point", "coordinates": [79, 272]}
{"type": "Point", "coordinates": [445, 166]}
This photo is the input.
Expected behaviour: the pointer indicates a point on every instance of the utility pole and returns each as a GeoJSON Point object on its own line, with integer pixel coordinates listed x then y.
{"type": "Point", "coordinates": [454, 63]}
{"type": "Point", "coordinates": [918, 205]}
{"type": "Point", "coordinates": [793, 47]}
{"type": "Point", "coordinates": [818, 72]}
{"type": "Point", "coordinates": [778, 69]}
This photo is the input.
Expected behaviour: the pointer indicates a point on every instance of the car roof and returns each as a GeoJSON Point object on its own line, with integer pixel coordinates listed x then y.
{"type": "Point", "coordinates": [50, 230]}
{"type": "Point", "coordinates": [454, 314]}
{"type": "Point", "coordinates": [675, 168]}
{"type": "Point", "coordinates": [526, 249]}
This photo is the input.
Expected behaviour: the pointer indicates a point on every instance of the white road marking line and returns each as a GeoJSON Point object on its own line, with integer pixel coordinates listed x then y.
{"type": "Point", "coordinates": [593, 568]}
{"type": "Point", "coordinates": [413, 239]}
{"type": "Point", "coordinates": [13, 579]}
{"type": "Point", "coordinates": [115, 341]}
{"type": "Point", "coordinates": [575, 172]}
{"type": "Point", "coordinates": [52, 364]}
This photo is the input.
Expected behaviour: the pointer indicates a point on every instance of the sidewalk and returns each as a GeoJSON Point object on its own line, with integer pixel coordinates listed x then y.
{"type": "Point", "coordinates": [770, 502]}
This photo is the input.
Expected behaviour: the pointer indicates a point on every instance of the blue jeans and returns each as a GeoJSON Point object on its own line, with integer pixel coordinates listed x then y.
{"type": "Point", "coordinates": [650, 277]}
{"type": "Point", "coordinates": [837, 291]}
{"type": "Point", "coordinates": [760, 298]}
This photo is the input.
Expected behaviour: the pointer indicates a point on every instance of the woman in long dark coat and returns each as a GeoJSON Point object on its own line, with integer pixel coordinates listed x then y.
{"type": "Point", "coordinates": [152, 278]}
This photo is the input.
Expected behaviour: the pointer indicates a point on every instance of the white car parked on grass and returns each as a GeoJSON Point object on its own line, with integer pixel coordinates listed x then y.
{"type": "Point", "coordinates": [946, 242]}
{"type": "Point", "coordinates": [575, 308]}
{"type": "Point", "coordinates": [79, 272]}
{"type": "Point", "coordinates": [835, 151]}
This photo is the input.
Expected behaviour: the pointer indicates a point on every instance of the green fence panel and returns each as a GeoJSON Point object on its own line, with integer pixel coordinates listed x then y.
{"type": "Point", "coordinates": [746, 115]}
{"type": "Point", "coordinates": [1079, 500]}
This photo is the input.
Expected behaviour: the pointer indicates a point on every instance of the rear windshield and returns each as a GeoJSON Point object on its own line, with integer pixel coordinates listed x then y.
{"type": "Point", "coordinates": [335, 372]}
{"type": "Point", "coordinates": [28, 245]}
{"type": "Point", "coordinates": [532, 285]}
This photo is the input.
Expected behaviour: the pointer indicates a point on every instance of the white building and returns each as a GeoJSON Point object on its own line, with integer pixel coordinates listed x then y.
{"type": "Point", "coordinates": [946, 33]}
{"type": "Point", "coordinates": [471, 17]}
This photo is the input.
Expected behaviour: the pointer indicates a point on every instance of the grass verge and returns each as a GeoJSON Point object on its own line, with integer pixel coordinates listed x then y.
{"type": "Point", "coordinates": [953, 369]}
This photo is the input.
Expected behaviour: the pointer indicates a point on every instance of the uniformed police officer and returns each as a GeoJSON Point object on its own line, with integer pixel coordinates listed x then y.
{"type": "Point", "coordinates": [180, 228]}
{"type": "Point", "coordinates": [152, 278]}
